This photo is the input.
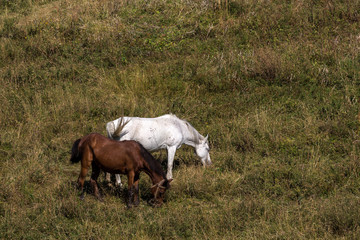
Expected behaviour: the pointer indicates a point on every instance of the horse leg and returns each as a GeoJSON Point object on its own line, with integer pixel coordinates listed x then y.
{"type": "Point", "coordinates": [93, 180]}
{"type": "Point", "coordinates": [108, 178]}
{"type": "Point", "coordinates": [136, 189]}
{"type": "Point", "coordinates": [81, 181]}
{"type": "Point", "coordinates": [85, 164]}
{"type": "Point", "coordinates": [171, 154]}
{"type": "Point", "coordinates": [131, 176]}
{"type": "Point", "coordinates": [118, 181]}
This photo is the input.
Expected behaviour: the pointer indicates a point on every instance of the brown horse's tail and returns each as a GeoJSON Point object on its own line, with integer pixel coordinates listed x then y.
{"type": "Point", "coordinates": [75, 153]}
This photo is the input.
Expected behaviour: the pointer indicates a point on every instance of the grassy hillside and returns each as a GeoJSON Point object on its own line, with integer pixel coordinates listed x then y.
{"type": "Point", "coordinates": [275, 84]}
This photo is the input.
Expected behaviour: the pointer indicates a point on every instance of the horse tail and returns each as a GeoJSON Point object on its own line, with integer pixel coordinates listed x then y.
{"type": "Point", "coordinates": [75, 153]}
{"type": "Point", "coordinates": [110, 129]}
{"type": "Point", "coordinates": [116, 132]}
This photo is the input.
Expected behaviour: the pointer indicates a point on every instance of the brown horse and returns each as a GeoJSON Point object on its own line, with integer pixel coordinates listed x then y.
{"type": "Point", "coordinates": [125, 157]}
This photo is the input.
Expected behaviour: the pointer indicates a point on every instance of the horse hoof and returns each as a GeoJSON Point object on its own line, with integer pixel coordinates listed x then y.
{"type": "Point", "coordinates": [150, 202]}
{"type": "Point", "coordinates": [154, 203]}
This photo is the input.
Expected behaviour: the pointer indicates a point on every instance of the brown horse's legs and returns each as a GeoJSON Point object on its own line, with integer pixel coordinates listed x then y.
{"type": "Point", "coordinates": [81, 180]}
{"type": "Point", "coordinates": [131, 176]}
{"type": "Point", "coordinates": [93, 180]}
{"type": "Point", "coordinates": [85, 164]}
{"type": "Point", "coordinates": [136, 189]}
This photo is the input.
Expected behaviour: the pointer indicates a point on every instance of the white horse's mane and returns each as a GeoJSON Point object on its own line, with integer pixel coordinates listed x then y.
{"type": "Point", "coordinates": [192, 130]}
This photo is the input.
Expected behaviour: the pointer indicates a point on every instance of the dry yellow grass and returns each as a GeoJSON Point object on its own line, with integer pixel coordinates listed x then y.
{"type": "Point", "coordinates": [274, 84]}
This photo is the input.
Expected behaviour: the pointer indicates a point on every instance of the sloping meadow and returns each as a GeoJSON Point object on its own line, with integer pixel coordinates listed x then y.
{"type": "Point", "coordinates": [275, 84]}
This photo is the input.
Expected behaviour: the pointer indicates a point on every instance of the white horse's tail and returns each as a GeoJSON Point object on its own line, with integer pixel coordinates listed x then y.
{"type": "Point", "coordinates": [115, 132]}
{"type": "Point", "coordinates": [110, 129]}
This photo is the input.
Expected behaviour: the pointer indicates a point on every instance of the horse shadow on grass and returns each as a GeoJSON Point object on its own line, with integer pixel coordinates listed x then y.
{"type": "Point", "coordinates": [106, 189]}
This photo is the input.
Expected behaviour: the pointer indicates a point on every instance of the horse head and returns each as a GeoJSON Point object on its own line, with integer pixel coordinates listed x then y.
{"type": "Point", "coordinates": [158, 190]}
{"type": "Point", "coordinates": [202, 150]}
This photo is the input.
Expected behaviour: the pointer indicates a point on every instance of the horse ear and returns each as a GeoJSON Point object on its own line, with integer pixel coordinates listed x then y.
{"type": "Point", "coordinates": [170, 180]}
{"type": "Point", "coordinates": [206, 138]}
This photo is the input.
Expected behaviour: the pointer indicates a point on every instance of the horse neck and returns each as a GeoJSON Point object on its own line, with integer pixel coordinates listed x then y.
{"type": "Point", "coordinates": [152, 167]}
{"type": "Point", "coordinates": [192, 137]}
{"type": "Point", "coordinates": [154, 176]}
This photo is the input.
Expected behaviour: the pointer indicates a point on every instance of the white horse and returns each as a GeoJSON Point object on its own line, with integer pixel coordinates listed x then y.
{"type": "Point", "coordinates": [164, 132]}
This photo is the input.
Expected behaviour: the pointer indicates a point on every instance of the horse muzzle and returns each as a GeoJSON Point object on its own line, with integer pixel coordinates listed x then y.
{"type": "Point", "coordinates": [208, 162]}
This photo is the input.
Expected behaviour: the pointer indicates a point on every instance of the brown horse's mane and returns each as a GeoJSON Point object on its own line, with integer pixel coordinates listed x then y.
{"type": "Point", "coordinates": [153, 163]}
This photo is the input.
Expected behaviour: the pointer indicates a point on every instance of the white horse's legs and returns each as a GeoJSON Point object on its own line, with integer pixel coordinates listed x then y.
{"type": "Point", "coordinates": [107, 177]}
{"type": "Point", "coordinates": [118, 180]}
{"type": "Point", "coordinates": [171, 153]}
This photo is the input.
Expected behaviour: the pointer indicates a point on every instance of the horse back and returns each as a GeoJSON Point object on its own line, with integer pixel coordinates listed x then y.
{"type": "Point", "coordinates": [154, 133]}
{"type": "Point", "coordinates": [114, 156]}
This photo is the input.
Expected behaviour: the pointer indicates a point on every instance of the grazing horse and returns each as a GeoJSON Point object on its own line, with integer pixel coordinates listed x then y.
{"type": "Point", "coordinates": [126, 157]}
{"type": "Point", "coordinates": [164, 132]}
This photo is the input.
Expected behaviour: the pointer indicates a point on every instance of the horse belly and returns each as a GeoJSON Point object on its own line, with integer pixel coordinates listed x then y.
{"type": "Point", "coordinates": [154, 143]}
{"type": "Point", "coordinates": [151, 143]}
{"type": "Point", "coordinates": [113, 167]}
{"type": "Point", "coordinates": [111, 159]}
